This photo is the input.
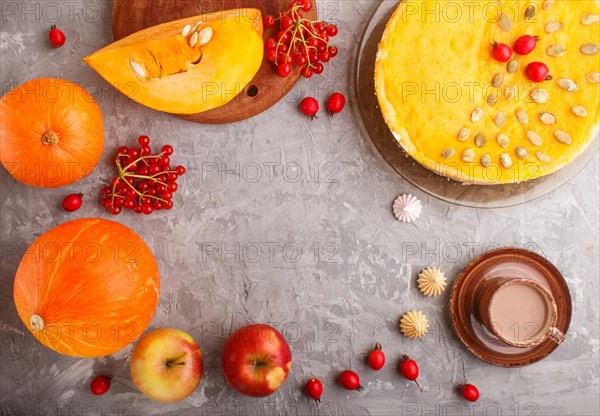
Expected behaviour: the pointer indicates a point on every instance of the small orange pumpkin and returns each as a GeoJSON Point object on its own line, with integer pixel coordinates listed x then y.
{"type": "Point", "coordinates": [51, 132]}
{"type": "Point", "coordinates": [87, 288]}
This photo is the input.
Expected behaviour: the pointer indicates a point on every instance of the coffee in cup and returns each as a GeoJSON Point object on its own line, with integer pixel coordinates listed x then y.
{"type": "Point", "coordinates": [520, 312]}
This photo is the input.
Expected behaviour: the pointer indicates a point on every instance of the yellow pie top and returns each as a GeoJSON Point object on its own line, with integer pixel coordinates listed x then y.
{"type": "Point", "coordinates": [460, 112]}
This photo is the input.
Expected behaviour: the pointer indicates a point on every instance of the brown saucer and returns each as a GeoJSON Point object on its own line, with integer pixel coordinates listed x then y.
{"type": "Point", "coordinates": [501, 263]}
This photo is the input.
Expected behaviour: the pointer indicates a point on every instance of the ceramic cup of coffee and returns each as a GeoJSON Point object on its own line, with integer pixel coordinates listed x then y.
{"type": "Point", "coordinates": [520, 312]}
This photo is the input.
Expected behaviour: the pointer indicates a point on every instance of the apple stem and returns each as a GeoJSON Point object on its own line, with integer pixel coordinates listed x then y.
{"type": "Point", "coordinates": [175, 361]}
{"type": "Point", "coordinates": [169, 364]}
{"type": "Point", "coordinates": [257, 363]}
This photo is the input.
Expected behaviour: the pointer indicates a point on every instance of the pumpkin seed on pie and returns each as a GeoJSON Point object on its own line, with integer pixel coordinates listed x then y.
{"type": "Point", "coordinates": [556, 51]}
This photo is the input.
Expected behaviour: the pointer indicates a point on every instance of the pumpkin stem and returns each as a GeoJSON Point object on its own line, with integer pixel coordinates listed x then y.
{"type": "Point", "coordinates": [37, 322]}
{"type": "Point", "coordinates": [49, 138]}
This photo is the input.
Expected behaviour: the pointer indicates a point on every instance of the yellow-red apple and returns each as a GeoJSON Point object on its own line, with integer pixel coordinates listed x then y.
{"type": "Point", "coordinates": [166, 365]}
{"type": "Point", "coordinates": [256, 360]}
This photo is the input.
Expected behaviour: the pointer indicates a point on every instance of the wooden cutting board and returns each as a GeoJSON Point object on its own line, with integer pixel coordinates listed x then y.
{"type": "Point", "coordinates": [266, 89]}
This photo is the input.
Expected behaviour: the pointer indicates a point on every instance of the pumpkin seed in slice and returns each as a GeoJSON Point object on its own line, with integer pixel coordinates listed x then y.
{"type": "Point", "coordinates": [138, 69]}
{"type": "Point", "coordinates": [500, 119]}
{"type": "Point", "coordinates": [186, 30]}
{"type": "Point", "coordinates": [512, 66]}
{"type": "Point", "coordinates": [196, 26]}
{"type": "Point", "coordinates": [506, 160]}
{"type": "Point", "coordinates": [547, 4]}
{"type": "Point", "coordinates": [540, 96]}
{"type": "Point", "coordinates": [477, 115]}
{"type": "Point", "coordinates": [522, 117]}
{"type": "Point", "coordinates": [503, 140]}
{"type": "Point", "coordinates": [543, 157]}
{"type": "Point", "coordinates": [563, 137]}
{"type": "Point", "coordinates": [498, 80]}
{"type": "Point", "coordinates": [589, 49]}
{"type": "Point", "coordinates": [205, 35]}
{"type": "Point", "coordinates": [193, 39]}
{"type": "Point", "coordinates": [593, 77]}
{"type": "Point", "coordinates": [553, 27]}
{"type": "Point", "coordinates": [556, 51]}
{"type": "Point", "coordinates": [492, 99]}
{"type": "Point", "coordinates": [567, 84]}
{"type": "Point", "coordinates": [534, 138]}
{"type": "Point", "coordinates": [468, 155]}
{"type": "Point", "coordinates": [590, 19]}
{"type": "Point", "coordinates": [448, 153]}
{"type": "Point", "coordinates": [486, 160]}
{"type": "Point", "coordinates": [463, 134]}
{"type": "Point", "coordinates": [579, 111]}
{"type": "Point", "coordinates": [505, 22]}
{"type": "Point", "coordinates": [530, 12]}
{"type": "Point", "coordinates": [521, 152]}
{"type": "Point", "coordinates": [480, 140]}
{"type": "Point", "coordinates": [547, 118]}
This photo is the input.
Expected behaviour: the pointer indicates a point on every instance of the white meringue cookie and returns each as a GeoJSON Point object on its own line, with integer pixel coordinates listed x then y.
{"type": "Point", "coordinates": [407, 208]}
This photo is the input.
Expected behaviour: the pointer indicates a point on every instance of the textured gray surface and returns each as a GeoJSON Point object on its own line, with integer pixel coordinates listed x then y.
{"type": "Point", "coordinates": [288, 221]}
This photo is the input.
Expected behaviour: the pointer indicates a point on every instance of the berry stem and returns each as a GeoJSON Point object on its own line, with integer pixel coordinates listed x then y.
{"type": "Point", "coordinates": [138, 160]}
{"type": "Point", "coordinates": [133, 187]}
{"type": "Point", "coordinates": [123, 175]}
{"type": "Point", "coordinates": [312, 27]}
{"type": "Point", "coordinates": [141, 195]}
{"type": "Point", "coordinates": [287, 55]}
{"type": "Point", "coordinates": [306, 47]}
{"type": "Point", "coordinates": [114, 379]}
{"type": "Point", "coordinates": [130, 175]}
{"type": "Point", "coordinates": [145, 182]}
{"type": "Point", "coordinates": [114, 191]}
{"type": "Point", "coordinates": [297, 30]}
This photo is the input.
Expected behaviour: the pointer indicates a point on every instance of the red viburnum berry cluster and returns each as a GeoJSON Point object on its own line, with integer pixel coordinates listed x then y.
{"type": "Point", "coordinates": [145, 182]}
{"type": "Point", "coordinates": [300, 41]}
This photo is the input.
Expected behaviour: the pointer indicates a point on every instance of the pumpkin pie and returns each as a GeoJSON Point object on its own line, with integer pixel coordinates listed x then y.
{"type": "Point", "coordinates": [459, 111]}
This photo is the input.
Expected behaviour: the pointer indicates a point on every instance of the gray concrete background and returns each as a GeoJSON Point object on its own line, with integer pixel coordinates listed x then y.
{"type": "Point", "coordinates": [300, 214]}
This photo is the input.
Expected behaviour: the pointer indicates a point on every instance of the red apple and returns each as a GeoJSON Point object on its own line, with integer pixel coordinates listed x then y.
{"type": "Point", "coordinates": [256, 360]}
{"type": "Point", "coordinates": [166, 365]}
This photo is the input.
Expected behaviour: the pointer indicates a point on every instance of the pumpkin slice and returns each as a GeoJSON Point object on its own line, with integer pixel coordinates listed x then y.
{"type": "Point", "coordinates": [186, 66]}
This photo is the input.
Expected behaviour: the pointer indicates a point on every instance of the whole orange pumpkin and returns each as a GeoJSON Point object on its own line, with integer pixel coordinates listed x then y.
{"type": "Point", "coordinates": [51, 132]}
{"type": "Point", "coordinates": [87, 288]}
